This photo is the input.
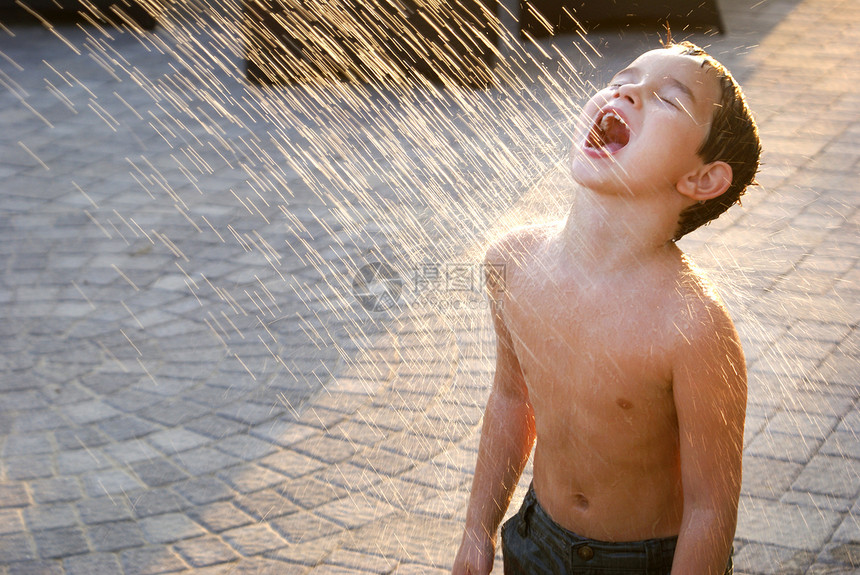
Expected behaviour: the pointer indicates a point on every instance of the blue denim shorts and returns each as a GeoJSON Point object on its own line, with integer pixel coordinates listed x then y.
{"type": "Point", "coordinates": [534, 544]}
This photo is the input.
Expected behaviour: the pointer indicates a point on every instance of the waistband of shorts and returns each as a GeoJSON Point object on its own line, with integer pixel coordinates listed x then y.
{"type": "Point", "coordinates": [645, 555]}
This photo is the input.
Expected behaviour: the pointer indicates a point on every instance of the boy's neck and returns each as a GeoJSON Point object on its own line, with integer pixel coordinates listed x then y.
{"type": "Point", "coordinates": [610, 232]}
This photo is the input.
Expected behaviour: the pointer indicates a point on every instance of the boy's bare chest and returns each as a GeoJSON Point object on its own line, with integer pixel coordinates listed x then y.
{"type": "Point", "coordinates": [607, 343]}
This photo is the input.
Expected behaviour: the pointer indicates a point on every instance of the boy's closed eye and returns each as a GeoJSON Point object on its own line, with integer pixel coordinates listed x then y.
{"type": "Point", "coordinates": [670, 100]}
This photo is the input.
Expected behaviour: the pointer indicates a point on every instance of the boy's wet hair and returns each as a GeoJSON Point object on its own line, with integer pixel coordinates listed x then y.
{"type": "Point", "coordinates": [733, 139]}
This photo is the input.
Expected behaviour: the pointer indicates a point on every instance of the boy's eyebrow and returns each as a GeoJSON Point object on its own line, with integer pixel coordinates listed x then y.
{"type": "Point", "coordinates": [681, 86]}
{"type": "Point", "coordinates": [671, 80]}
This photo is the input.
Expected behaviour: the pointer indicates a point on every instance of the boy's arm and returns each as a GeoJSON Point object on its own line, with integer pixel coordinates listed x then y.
{"type": "Point", "coordinates": [507, 437]}
{"type": "Point", "coordinates": [710, 387]}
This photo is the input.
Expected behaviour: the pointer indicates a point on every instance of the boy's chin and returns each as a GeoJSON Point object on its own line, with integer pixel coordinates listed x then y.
{"type": "Point", "coordinates": [585, 173]}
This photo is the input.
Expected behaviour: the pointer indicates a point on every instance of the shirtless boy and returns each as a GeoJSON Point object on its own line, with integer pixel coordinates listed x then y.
{"type": "Point", "coordinates": [613, 353]}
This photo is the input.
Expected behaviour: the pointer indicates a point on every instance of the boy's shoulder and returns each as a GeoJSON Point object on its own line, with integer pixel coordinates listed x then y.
{"type": "Point", "coordinates": [701, 312]}
{"type": "Point", "coordinates": [519, 242]}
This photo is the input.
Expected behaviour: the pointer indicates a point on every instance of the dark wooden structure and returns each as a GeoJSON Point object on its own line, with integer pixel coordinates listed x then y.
{"type": "Point", "coordinates": [540, 18]}
{"type": "Point", "coordinates": [448, 41]}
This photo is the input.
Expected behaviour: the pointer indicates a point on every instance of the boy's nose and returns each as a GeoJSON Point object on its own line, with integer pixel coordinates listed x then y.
{"type": "Point", "coordinates": [629, 92]}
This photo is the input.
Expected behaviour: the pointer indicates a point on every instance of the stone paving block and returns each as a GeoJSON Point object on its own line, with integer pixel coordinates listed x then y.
{"type": "Point", "coordinates": [345, 403]}
{"type": "Point", "coordinates": [92, 564]}
{"type": "Point", "coordinates": [253, 539]}
{"type": "Point", "coordinates": [173, 412]}
{"type": "Point", "coordinates": [30, 444]}
{"type": "Point", "coordinates": [284, 433]}
{"type": "Point", "coordinates": [38, 567]}
{"type": "Point", "coordinates": [309, 553]}
{"type": "Point", "coordinates": [773, 523]}
{"type": "Point", "coordinates": [819, 401]}
{"type": "Point", "coordinates": [801, 423]}
{"type": "Point", "coordinates": [302, 527]}
{"type": "Point", "coordinates": [157, 501]}
{"type": "Point", "coordinates": [850, 423]}
{"type": "Point", "coordinates": [17, 547]}
{"type": "Point", "coordinates": [415, 446]}
{"type": "Point", "coordinates": [219, 516]}
{"type": "Point", "coordinates": [245, 447]}
{"type": "Point", "coordinates": [757, 559]}
{"type": "Point", "coordinates": [250, 413]}
{"type": "Point", "coordinates": [56, 490]}
{"type": "Point", "coordinates": [318, 416]}
{"type": "Point", "coordinates": [82, 437]}
{"type": "Point", "coordinates": [109, 482]}
{"type": "Point", "coordinates": [817, 500]}
{"type": "Point", "coordinates": [34, 467]}
{"type": "Point", "coordinates": [11, 521]}
{"type": "Point", "coordinates": [327, 569]}
{"type": "Point", "coordinates": [204, 490]}
{"type": "Point", "coordinates": [266, 504]}
{"type": "Point", "coordinates": [78, 461]}
{"type": "Point", "coordinates": [383, 462]}
{"type": "Point", "coordinates": [848, 530]}
{"type": "Point", "coordinates": [45, 517]}
{"type": "Point", "coordinates": [416, 569]}
{"type": "Point", "coordinates": [351, 477]}
{"type": "Point", "coordinates": [830, 475]}
{"type": "Point", "coordinates": [437, 475]}
{"type": "Point", "coordinates": [205, 551]}
{"type": "Point", "coordinates": [310, 492]}
{"type": "Point", "coordinates": [355, 511]}
{"type": "Point", "coordinates": [134, 401]}
{"type": "Point", "coordinates": [39, 420]}
{"type": "Point", "coordinates": [104, 383]}
{"type": "Point", "coordinates": [115, 536]}
{"type": "Point", "coordinates": [103, 509]}
{"type": "Point", "coordinates": [158, 472]}
{"type": "Point", "coordinates": [447, 505]}
{"type": "Point", "coordinates": [837, 558]}
{"type": "Point", "coordinates": [357, 431]}
{"type": "Point", "coordinates": [204, 460]}
{"type": "Point", "coordinates": [265, 566]}
{"type": "Point", "coordinates": [127, 427]}
{"type": "Point", "coordinates": [169, 528]}
{"type": "Point", "coordinates": [250, 478]}
{"type": "Point", "coordinates": [292, 464]}
{"type": "Point", "coordinates": [841, 369]}
{"type": "Point", "coordinates": [329, 450]}
{"type": "Point", "coordinates": [176, 440]}
{"type": "Point", "coordinates": [453, 411]}
{"type": "Point", "coordinates": [23, 400]}
{"type": "Point", "coordinates": [132, 451]}
{"type": "Point", "coordinates": [58, 543]}
{"type": "Point", "coordinates": [214, 426]}
{"type": "Point", "coordinates": [842, 444]}
{"type": "Point", "coordinates": [151, 561]}
{"type": "Point", "coordinates": [793, 448]}
{"type": "Point", "coordinates": [420, 540]}
{"type": "Point", "coordinates": [90, 412]}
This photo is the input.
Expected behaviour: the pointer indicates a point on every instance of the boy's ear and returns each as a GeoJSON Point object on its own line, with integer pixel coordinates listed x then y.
{"type": "Point", "coordinates": [706, 182]}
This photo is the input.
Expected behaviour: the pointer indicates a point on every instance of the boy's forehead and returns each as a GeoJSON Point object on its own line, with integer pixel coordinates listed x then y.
{"type": "Point", "coordinates": [668, 62]}
{"type": "Point", "coordinates": [668, 57]}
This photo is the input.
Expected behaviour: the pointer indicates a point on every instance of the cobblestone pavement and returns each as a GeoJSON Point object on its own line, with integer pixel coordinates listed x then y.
{"type": "Point", "coordinates": [188, 384]}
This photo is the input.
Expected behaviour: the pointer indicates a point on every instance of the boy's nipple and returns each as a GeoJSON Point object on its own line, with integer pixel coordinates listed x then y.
{"type": "Point", "coordinates": [624, 403]}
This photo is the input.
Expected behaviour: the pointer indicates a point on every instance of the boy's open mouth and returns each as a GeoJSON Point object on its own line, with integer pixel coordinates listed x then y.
{"type": "Point", "coordinates": [609, 133]}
